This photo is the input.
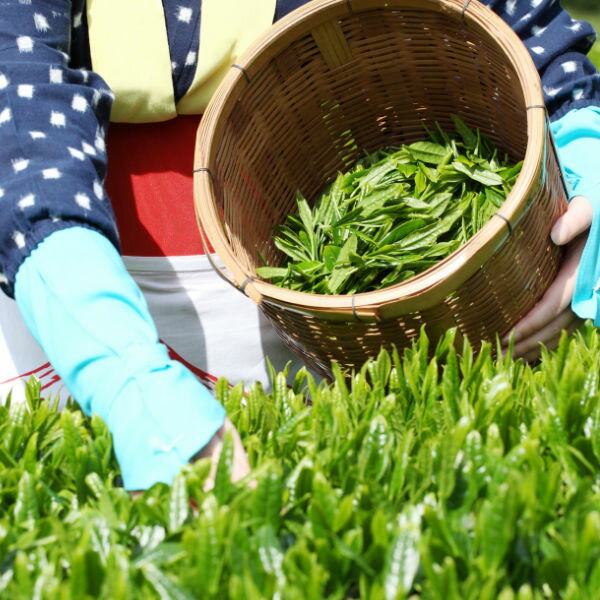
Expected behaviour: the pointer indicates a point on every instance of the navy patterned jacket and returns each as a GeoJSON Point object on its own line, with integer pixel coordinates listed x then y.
{"type": "Point", "coordinates": [54, 111]}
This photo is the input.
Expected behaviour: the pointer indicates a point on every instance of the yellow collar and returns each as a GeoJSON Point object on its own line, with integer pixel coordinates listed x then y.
{"type": "Point", "coordinates": [131, 53]}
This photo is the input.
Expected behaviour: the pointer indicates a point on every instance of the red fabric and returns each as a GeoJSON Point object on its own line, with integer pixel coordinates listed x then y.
{"type": "Point", "coordinates": [150, 185]}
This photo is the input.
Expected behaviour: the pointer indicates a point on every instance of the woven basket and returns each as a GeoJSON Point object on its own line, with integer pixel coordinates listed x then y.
{"type": "Point", "coordinates": [336, 78]}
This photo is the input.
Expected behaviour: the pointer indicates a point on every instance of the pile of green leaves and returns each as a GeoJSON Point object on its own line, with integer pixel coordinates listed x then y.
{"type": "Point", "coordinates": [430, 475]}
{"type": "Point", "coordinates": [398, 212]}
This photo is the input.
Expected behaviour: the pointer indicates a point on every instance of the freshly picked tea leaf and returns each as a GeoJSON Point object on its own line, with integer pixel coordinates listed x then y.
{"type": "Point", "coordinates": [398, 212]}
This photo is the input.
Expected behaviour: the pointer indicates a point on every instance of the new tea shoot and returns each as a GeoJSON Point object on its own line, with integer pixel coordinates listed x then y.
{"type": "Point", "coordinates": [398, 212]}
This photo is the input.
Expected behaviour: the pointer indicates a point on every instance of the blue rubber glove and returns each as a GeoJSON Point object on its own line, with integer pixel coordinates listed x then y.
{"type": "Point", "coordinates": [577, 137]}
{"type": "Point", "coordinates": [91, 319]}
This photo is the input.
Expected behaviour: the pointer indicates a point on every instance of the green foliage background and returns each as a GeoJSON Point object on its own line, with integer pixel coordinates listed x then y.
{"type": "Point", "coordinates": [432, 474]}
{"type": "Point", "coordinates": [590, 6]}
{"type": "Point", "coordinates": [588, 10]}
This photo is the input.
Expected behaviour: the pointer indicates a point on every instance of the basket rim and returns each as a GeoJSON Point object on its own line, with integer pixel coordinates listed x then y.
{"type": "Point", "coordinates": [431, 286]}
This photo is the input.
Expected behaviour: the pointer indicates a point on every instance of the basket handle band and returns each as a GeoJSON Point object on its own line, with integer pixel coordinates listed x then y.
{"type": "Point", "coordinates": [367, 317]}
{"type": "Point", "coordinates": [255, 296]}
{"type": "Point", "coordinates": [205, 247]}
{"type": "Point", "coordinates": [464, 9]}
{"type": "Point", "coordinates": [216, 268]}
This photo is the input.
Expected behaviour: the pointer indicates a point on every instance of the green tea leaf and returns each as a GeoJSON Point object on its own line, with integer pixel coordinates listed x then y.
{"type": "Point", "coordinates": [479, 174]}
{"type": "Point", "coordinates": [468, 136]}
{"type": "Point", "coordinates": [428, 152]}
{"type": "Point", "coordinates": [343, 268]}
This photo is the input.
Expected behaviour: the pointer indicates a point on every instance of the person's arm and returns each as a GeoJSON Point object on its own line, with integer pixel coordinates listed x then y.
{"type": "Point", "coordinates": [58, 254]}
{"type": "Point", "coordinates": [558, 45]}
{"type": "Point", "coordinates": [88, 314]}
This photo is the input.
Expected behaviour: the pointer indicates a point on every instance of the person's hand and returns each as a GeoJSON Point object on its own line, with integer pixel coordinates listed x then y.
{"type": "Point", "coordinates": [213, 449]}
{"type": "Point", "coordinates": [552, 314]}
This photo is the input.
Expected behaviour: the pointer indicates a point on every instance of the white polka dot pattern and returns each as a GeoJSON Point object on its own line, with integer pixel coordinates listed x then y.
{"type": "Point", "coordinates": [41, 23]}
{"type": "Point", "coordinates": [51, 173]}
{"type": "Point", "coordinates": [83, 200]}
{"type": "Point", "coordinates": [19, 164]}
{"type": "Point", "coordinates": [26, 201]}
{"type": "Point", "coordinates": [79, 103]}
{"type": "Point", "coordinates": [25, 44]}
{"type": "Point", "coordinates": [25, 90]}
{"type": "Point", "coordinates": [5, 115]}
{"type": "Point", "coordinates": [58, 119]}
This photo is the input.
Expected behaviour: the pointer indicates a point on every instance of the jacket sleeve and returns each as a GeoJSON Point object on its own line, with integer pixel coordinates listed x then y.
{"type": "Point", "coordinates": [52, 123]}
{"type": "Point", "coordinates": [558, 45]}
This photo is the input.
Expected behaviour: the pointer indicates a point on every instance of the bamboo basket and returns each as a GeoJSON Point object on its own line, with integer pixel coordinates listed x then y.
{"type": "Point", "coordinates": [335, 78]}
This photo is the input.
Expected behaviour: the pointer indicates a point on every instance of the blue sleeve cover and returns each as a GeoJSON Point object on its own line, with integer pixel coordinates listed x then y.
{"type": "Point", "coordinates": [91, 319]}
{"type": "Point", "coordinates": [577, 137]}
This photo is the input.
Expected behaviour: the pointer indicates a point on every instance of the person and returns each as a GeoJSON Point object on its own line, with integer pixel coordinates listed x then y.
{"type": "Point", "coordinates": [60, 267]}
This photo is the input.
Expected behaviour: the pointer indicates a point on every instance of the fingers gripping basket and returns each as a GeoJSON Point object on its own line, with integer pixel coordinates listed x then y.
{"type": "Point", "coordinates": [336, 78]}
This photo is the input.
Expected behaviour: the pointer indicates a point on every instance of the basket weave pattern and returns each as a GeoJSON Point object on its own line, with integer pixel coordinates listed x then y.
{"type": "Point", "coordinates": [336, 79]}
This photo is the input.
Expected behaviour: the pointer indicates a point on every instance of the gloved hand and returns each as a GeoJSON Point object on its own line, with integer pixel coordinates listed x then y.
{"type": "Point", "coordinates": [92, 321]}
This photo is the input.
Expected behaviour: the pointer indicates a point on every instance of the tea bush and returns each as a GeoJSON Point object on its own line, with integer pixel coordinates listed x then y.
{"type": "Point", "coordinates": [431, 474]}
